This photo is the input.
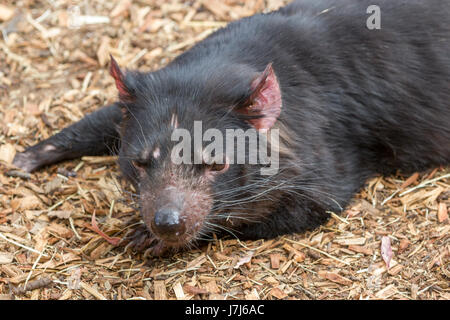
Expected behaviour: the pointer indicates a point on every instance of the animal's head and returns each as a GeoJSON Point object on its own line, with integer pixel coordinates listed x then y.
{"type": "Point", "coordinates": [176, 147]}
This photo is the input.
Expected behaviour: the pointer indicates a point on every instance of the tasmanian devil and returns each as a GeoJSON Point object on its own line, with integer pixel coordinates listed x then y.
{"type": "Point", "coordinates": [348, 100]}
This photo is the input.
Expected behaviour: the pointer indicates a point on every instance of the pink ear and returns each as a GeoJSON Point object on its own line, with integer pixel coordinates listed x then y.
{"type": "Point", "coordinates": [116, 73]}
{"type": "Point", "coordinates": [265, 100]}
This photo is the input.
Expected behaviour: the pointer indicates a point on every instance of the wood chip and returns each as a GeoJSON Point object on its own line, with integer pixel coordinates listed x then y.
{"type": "Point", "coordinates": [6, 13]}
{"type": "Point", "coordinates": [253, 295]}
{"type": "Point", "coordinates": [212, 287]}
{"type": "Point", "coordinates": [194, 290]}
{"type": "Point", "coordinates": [7, 153]}
{"type": "Point", "coordinates": [160, 290]}
{"type": "Point", "coordinates": [275, 260]}
{"type": "Point", "coordinates": [350, 241]}
{"type": "Point", "coordinates": [332, 276]}
{"type": "Point", "coordinates": [278, 293]}
{"type": "Point", "coordinates": [219, 8]}
{"type": "Point", "coordinates": [103, 52]}
{"type": "Point", "coordinates": [360, 249]}
{"type": "Point", "coordinates": [386, 250]}
{"type": "Point", "coordinates": [92, 291]}
{"type": "Point", "coordinates": [410, 180]}
{"type": "Point", "coordinates": [6, 258]}
{"type": "Point", "coordinates": [404, 244]}
{"type": "Point", "coordinates": [197, 262]}
{"type": "Point", "coordinates": [120, 8]}
{"type": "Point", "coordinates": [179, 293]}
{"type": "Point", "coordinates": [53, 185]}
{"type": "Point", "coordinates": [61, 214]}
{"type": "Point", "coordinates": [442, 212]}
{"type": "Point", "coordinates": [386, 292]}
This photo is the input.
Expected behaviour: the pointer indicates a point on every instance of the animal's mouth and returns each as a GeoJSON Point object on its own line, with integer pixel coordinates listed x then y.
{"type": "Point", "coordinates": [176, 239]}
{"type": "Point", "coordinates": [171, 243]}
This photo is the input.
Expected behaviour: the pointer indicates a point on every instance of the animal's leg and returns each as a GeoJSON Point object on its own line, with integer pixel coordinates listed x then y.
{"type": "Point", "coordinates": [95, 134]}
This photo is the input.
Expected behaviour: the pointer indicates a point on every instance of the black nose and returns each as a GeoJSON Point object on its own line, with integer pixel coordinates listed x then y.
{"type": "Point", "coordinates": [167, 222]}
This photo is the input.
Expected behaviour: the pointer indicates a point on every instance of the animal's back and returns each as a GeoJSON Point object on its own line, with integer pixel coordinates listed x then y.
{"type": "Point", "coordinates": [386, 91]}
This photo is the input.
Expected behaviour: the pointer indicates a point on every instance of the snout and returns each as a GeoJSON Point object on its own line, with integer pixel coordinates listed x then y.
{"type": "Point", "coordinates": [167, 224]}
{"type": "Point", "coordinates": [175, 213]}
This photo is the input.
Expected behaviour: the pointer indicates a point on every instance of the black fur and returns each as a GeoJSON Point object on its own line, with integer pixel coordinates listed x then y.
{"type": "Point", "coordinates": [356, 102]}
{"type": "Point", "coordinates": [95, 134]}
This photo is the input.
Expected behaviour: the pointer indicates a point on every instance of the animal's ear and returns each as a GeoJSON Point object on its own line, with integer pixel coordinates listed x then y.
{"type": "Point", "coordinates": [263, 106]}
{"type": "Point", "coordinates": [125, 93]}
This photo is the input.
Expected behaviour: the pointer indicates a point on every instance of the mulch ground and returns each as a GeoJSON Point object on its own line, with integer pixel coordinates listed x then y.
{"type": "Point", "coordinates": [392, 242]}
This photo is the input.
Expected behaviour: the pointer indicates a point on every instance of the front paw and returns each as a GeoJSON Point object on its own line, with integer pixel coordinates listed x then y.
{"type": "Point", "coordinates": [26, 161]}
{"type": "Point", "coordinates": [36, 156]}
{"type": "Point", "coordinates": [138, 239]}
{"type": "Point", "coordinates": [141, 239]}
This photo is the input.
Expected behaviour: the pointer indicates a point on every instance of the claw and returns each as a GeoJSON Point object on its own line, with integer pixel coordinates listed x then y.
{"type": "Point", "coordinates": [138, 239]}
{"type": "Point", "coordinates": [141, 239]}
{"type": "Point", "coordinates": [157, 250]}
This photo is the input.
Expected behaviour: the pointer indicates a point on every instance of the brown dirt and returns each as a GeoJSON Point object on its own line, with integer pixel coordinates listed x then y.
{"type": "Point", "coordinates": [52, 72]}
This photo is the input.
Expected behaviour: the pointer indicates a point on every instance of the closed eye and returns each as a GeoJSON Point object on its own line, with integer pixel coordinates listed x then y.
{"type": "Point", "coordinates": [141, 163]}
{"type": "Point", "coordinates": [217, 167]}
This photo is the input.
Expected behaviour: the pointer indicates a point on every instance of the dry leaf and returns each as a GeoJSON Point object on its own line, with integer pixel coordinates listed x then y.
{"type": "Point", "coordinates": [112, 240]}
{"type": "Point", "coordinates": [246, 259]}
